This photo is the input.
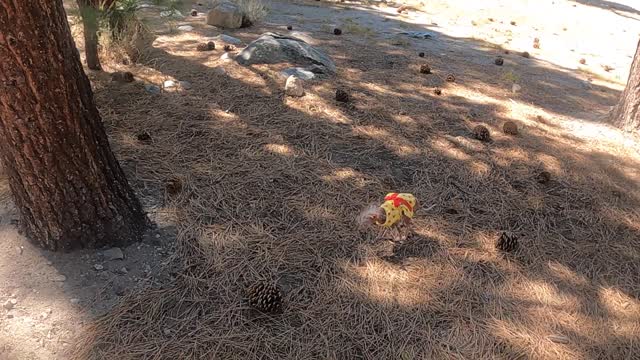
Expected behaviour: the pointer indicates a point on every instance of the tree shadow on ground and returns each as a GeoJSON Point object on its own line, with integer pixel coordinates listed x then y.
{"type": "Point", "coordinates": [272, 186]}
{"type": "Point", "coordinates": [609, 5]}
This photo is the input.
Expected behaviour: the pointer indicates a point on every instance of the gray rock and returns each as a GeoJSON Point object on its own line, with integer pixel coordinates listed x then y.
{"type": "Point", "coordinates": [294, 86]}
{"type": "Point", "coordinates": [10, 304]}
{"type": "Point", "coordinates": [419, 34]}
{"type": "Point", "coordinates": [98, 267]}
{"type": "Point", "coordinates": [298, 72]}
{"type": "Point", "coordinates": [152, 89]}
{"type": "Point", "coordinates": [114, 253]}
{"type": "Point", "coordinates": [185, 28]}
{"type": "Point", "coordinates": [225, 15]}
{"type": "Point", "coordinates": [273, 48]}
{"type": "Point", "coordinates": [185, 85]}
{"type": "Point", "coordinates": [228, 39]}
{"type": "Point", "coordinates": [59, 278]}
{"type": "Point", "coordinates": [74, 301]}
{"type": "Point", "coordinates": [171, 14]}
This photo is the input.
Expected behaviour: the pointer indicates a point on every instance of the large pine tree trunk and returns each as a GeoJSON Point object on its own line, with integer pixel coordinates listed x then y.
{"type": "Point", "coordinates": [66, 182]}
{"type": "Point", "coordinates": [626, 114]}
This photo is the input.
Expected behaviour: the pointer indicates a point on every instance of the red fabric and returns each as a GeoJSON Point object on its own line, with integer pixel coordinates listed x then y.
{"type": "Point", "coordinates": [397, 201]}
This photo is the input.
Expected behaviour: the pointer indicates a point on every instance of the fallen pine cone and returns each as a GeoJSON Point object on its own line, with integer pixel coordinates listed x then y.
{"type": "Point", "coordinates": [173, 186]}
{"type": "Point", "coordinates": [144, 137]}
{"type": "Point", "coordinates": [481, 133]}
{"type": "Point", "coordinates": [337, 31]}
{"type": "Point", "coordinates": [543, 177]}
{"type": "Point", "coordinates": [510, 128]}
{"type": "Point", "coordinates": [342, 96]}
{"type": "Point", "coordinates": [289, 27]}
{"type": "Point", "coordinates": [229, 47]}
{"type": "Point", "coordinates": [194, 12]}
{"type": "Point", "coordinates": [425, 69]}
{"type": "Point", "coordinates": [507, 243]}
{"type": "Point", "coordinates": [421, 54]}
{"type": "Point", "coordinates": [451, 78]}
{"type": "Point", "coordinates": [265, 297]}
{"type": "Point", "coordinates": [499, 61]}
{"type": "Point", "coordinates": [437, 91]}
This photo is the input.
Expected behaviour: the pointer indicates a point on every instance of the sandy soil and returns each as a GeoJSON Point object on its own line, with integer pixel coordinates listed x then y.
{"type": "Point", "coordinates": [47, 298]}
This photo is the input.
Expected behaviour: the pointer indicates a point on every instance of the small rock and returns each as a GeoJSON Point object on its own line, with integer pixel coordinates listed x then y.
{"type": "Point", "coordinates": [10, 304]}
{"type": "Point", "coordinates": [559, 339]}
{"type": "Point", "coordinates": [171, 13]}
{"type": "Point", "coordinates": [194, 12]}
{"type": "Point", "coordinates": [226, 57]}
{"type": "Point", "coordinates": [185, 85]}
{"type": "Point", "coordinates": [114, 253]}
{"type": "Point", "coordinates": [45, 314]}
{"type": "Point", "coordinates": [59, 278]}
{"type": "Point", "coordinates": [499, 61]}
{"type": "Point", "coordinates": [152, 89]}
{"type": "Point", "coordinates": [98, 267]}
{"type": "Point", "coordinates": [513, 23]}
{"type": "Point", "coordinates": [421, 54]}
{"type": "Point", "coordinates": [74, 301]}
{"type": "Point", "coordinates": [583, 61]}
{"type": "Point", "coordinates": [294, 86]}
{"type": "Point", "coordinates": [515, 88]}
{"type": "Point", "coordinates": [185, 28]}
{"type": "Point", "coordinates": [122, 77]}
{"type": "Point", "coordinates": [525, 54]}
{"type": "Point", "coordinates": [298, 72]}
{"type": "Point", "coordinates": [289, 27]}
{"type": "Point", "coordinates": [157, 236]}
{"type": "Point", "coordinates": [123, 270]}
{"type": "Point", "coordinates": [19, 250]}
{"type": "Point", "coordinates": [337, 31]}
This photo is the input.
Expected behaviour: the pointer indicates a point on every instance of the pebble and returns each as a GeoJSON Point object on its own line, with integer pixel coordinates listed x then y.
{"type": "Point", "coordinates": [152, 89]}
{"type": "Point", "coordinates": [169, 84]}
{"type": "Point", "coordinates": [157, 236]}
{"type": "Point", "coordinates": [10, 304]}
{"type": "Point", "coordinates": [185, 85]}
{"type": "Point", "coordinates": [515, 88]}
{"type": "Point", "coordinates": [45, 314]}
{"type": "Point", "coordinates": [74, 301]}
{"type": "Point", "coordinates": [59, 278]}
{"type": "Point", "coordinates": [114, 253]}
{"type": "Point", "coordinates": [185, 28]}
{"type": "Point", "coordinates": [294, 86]}
{"type": "Point", "coordinates": [123, 270]}
{"type": "Point", "coordinates": [98, 267]}
{"type": "Point", "coordinates": [19, 250]}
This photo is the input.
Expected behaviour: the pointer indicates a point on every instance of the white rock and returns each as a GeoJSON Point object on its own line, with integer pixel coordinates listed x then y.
{"type": "Point", "coordinates": [114, 253]}
{"type": "Point", "coordinates": [185, 28]}
{"type": "Point", "coordinates": [515, 88]}
{"type": "Point", "coordinates": [294, 86]}
{"type": "Point", "coordinates": [59, 278]}
{"type": "Point", "coordinates": [74, 301]}
{"type": "Point", "coordinates": [226, 57]}
{"type": "Point", "coordinates": [19, 250]}
{"type": "Point", "coordinates": [299, 72]}
{"type": "Point", "coordinates": [169, 84]}
{"type": "Point", "coordinates": [98, 267]}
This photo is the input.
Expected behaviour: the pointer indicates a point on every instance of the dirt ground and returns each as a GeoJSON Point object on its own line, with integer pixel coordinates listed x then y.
{"type": "Point", "coordinates": [272, 186]}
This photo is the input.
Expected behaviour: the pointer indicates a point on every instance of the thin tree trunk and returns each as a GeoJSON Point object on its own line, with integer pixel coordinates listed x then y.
{"type": "Point", "coordinates": [626, 114]}
{"type": "Point", "coordinates": [89, 15]}
{"type": "Point", "coordinates": [66, 182]}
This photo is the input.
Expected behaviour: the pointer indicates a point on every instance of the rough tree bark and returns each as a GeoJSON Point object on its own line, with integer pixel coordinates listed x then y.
{"type": "Point", "coordinates": [66, 182]}
{"type": "Point", "coordinates": [89, 12]}
{"type": "Point", "coordinates": [626, 114]}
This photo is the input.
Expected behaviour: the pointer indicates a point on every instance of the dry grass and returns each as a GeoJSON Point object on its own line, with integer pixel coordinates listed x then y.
{"type": "Point", "coordinates": [272, 188]}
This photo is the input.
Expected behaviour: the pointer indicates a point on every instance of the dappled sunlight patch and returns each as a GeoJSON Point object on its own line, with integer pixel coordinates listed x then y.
{"type": "Point", "coordinates": [447, 149]}
{"type": "Point", "coordinates": [346, 175]}
{"type": "Point", "coordinates": [622, 306]}
{"type": "Point", "coordinates": [543, 293]}
{"type": "Point", "coordinates": [280, 149]}
{"type": "Point", "coordinates": [396, 144]}
{"type": "Point", "coordinates": [564, 273]}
